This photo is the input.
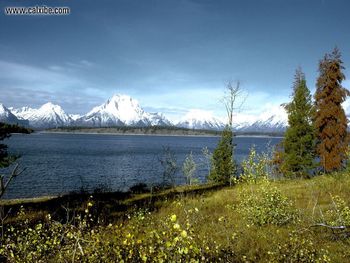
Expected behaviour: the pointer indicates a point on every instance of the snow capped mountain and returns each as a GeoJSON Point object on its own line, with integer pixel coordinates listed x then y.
{"type": "Point", "coordinates": [200, 119]}
{"type": "Point", "coordinates": [8, 117]}
{"type": "Point", "coordinates": [48, 115]}
{"type": "Point", "coordinates": [273, 119]}
{"type": "Point", "coordinates": [120, 110]}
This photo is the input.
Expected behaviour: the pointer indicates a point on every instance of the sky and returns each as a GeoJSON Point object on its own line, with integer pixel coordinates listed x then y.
{"type": "Point", "coordinates": [170, 55]}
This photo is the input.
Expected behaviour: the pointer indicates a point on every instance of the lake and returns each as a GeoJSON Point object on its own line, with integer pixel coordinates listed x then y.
{"type": "Point", "coordinates": [62, 163]}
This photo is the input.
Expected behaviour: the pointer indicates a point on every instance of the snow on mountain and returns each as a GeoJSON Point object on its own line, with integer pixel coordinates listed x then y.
{"type": "Point", "coordinates": [273, 119]}
{"type": "Point", "coordinates": [241, 121]}
{"type": "Point", "coordinates": [158, 119]}
{"type": "Point", "coordinates": [200, 119]}
{"type": "Point", "coordinates": [48, 115]}
{"type": "Point", "coordinates": [74, 117]}
{"type": "Point", "coordinates": [8, 117]}
{"type": "Point", "coordinates": [120, 110]}
{"type": "Point", "coordinates": [22, 113]}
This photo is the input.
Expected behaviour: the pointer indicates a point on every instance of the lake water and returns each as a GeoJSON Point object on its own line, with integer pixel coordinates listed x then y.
{"type": "Point", "coordinates": [63, 163]}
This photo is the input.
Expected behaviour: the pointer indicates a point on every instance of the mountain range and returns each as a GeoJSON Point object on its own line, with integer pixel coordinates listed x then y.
{"type": "Point", "coordinates": [122, 110]}
{"type": "Point", "coordinates": [8, 117]}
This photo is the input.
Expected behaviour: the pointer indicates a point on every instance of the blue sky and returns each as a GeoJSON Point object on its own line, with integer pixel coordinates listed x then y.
{"type": "Point", "coordinates": [172, 56]}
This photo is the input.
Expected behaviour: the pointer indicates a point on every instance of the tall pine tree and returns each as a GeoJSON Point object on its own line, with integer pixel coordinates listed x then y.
{"type": "Point", "coordinates": [330, 119]}
{"type": "Point", "coordinates": [299, 141]}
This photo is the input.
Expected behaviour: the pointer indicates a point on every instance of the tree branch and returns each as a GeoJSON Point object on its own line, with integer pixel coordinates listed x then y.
{"type": "Point", "coordinates": [330, 227]}
{"type": "Point", "coordinates": [15, 173]}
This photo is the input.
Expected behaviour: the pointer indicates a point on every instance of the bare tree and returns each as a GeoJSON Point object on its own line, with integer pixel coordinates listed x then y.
{"type": "Point", "coordinates": [230, 100]}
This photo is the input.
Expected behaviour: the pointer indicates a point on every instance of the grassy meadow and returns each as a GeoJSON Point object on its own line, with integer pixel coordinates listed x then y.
{"type": "Point", "coordinates": [303, 220]}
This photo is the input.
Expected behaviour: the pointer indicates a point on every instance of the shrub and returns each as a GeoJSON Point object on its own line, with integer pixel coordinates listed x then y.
{"type": "Point", "coordinates": [266, 206]}
{"type": "Point", "coordinates": [339, 214]}
{"type": "Point", "coordinates": [189, 168]}
{"type": "Point", "coordinates": [255, 166]}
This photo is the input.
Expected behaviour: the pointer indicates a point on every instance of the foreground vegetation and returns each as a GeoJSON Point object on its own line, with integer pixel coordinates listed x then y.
{"type": "Point", "coordinates": [262, 221]}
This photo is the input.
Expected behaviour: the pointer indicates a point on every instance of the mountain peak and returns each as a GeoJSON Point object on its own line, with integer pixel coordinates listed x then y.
{"type": "Point", "coordinates": [47, 116]}
{"type": "Point", "coordinates": [118, 96]}
{"type": "Point", "coordinates": [118, 100]}
{"type": "Point", "coordinates": [51, 106]}
{"type": "Point", "coordinates": [121, 110]}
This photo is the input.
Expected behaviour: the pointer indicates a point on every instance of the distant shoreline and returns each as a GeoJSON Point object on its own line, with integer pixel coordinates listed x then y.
{"type": "Point", "coordinates": [153, 131]}
{"type": "Point", "coordinates": [262, 135]}
{"type": "Point", "coordinates": [129, 134]}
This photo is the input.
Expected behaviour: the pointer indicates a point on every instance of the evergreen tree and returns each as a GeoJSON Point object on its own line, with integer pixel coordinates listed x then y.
{"type": "Point", "coordinates": [223, 166]}
{"type": "Point", "coordinates": [5, 158]}
{"type": "Point", "coordinates": [222, 161]}
{"type": "Point", "coordinates": [299, 141]}
{"type": "Point", "coordinates": [330, 119]}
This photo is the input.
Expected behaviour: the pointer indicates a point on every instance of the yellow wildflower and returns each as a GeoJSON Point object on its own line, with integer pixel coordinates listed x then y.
{"type": "Point", "coordinates": [173, 218]}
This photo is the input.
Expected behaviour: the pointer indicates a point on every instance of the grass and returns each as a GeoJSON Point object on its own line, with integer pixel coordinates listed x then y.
{"type": "Point", "coordinates": [219, 219]}
{"type": "Point", "coordinates": [221, 225]}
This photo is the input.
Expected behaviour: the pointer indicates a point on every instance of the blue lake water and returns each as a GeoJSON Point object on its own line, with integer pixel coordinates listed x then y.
{"type": "Point", "coordinates": [63, 163]}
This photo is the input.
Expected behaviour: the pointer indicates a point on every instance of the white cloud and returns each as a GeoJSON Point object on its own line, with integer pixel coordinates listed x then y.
{"type": "Point", "coordinates": [26, 85]}
{"type": "Point", "coordinates": [198, 113]}
{"type": "Point", "coordinates": [34, 77]}
{"type": "Point", "coordinates": [81, 64]}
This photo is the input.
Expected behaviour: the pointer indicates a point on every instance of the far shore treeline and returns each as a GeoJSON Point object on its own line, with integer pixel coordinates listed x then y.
{"type": "Point", "coordinates": [155, 130]}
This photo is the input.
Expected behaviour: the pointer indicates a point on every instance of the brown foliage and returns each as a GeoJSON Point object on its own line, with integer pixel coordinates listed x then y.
{"type": "Point", "coordinates": [278, 160]}
{"type": "Point", "coordinates": [330, 119]}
